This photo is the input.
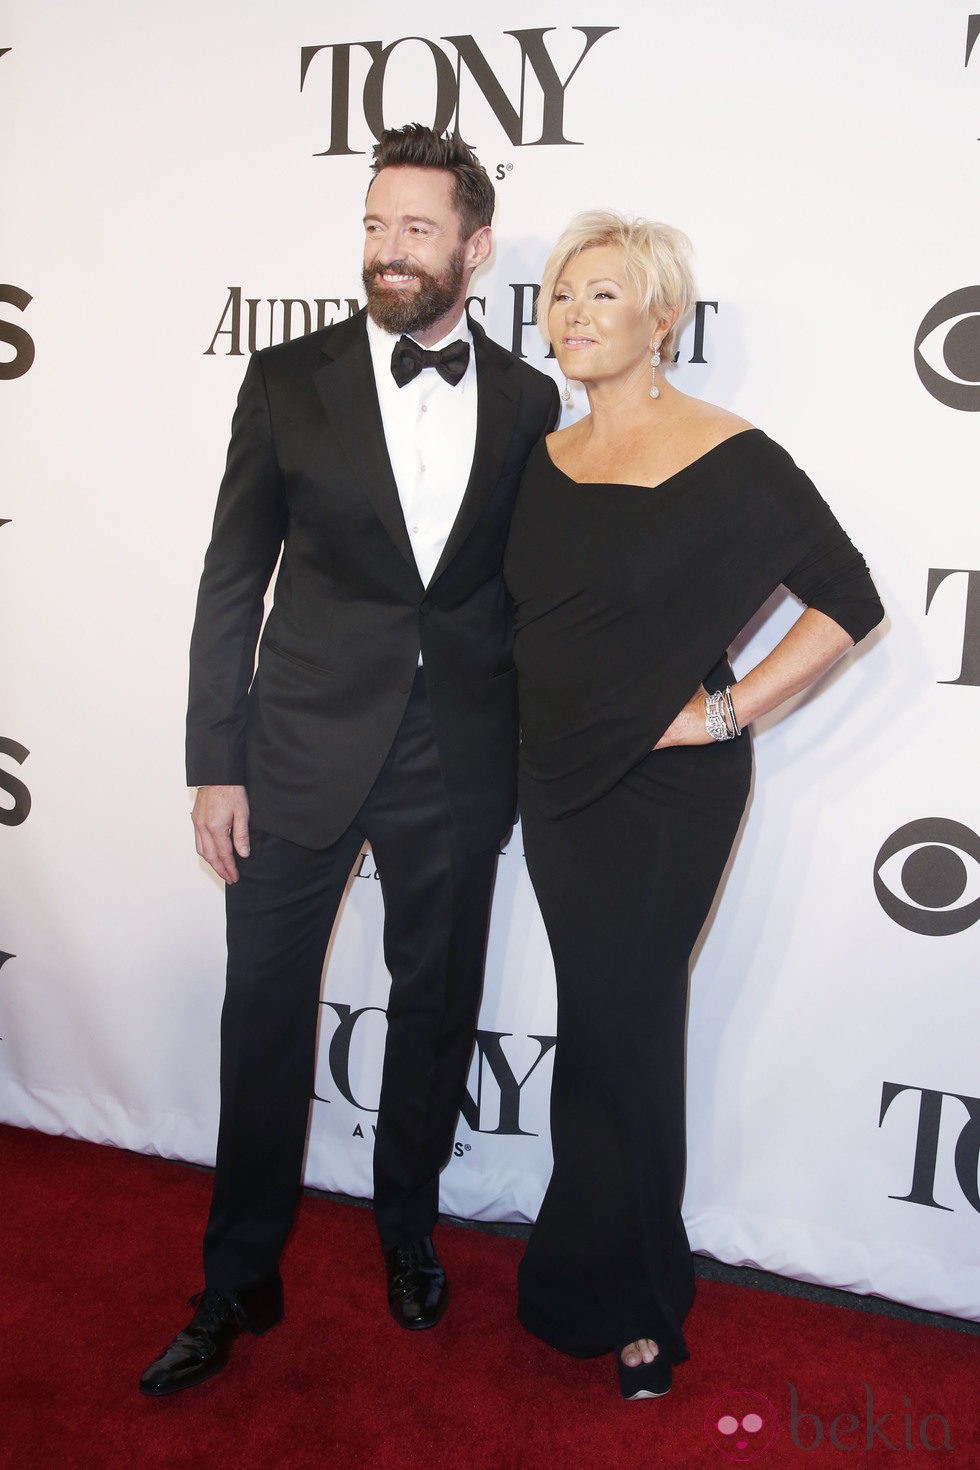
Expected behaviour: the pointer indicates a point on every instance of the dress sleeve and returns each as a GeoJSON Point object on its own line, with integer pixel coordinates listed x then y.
{"type": "Point", "coordinates": [835, 580]}
{"type": "Point", "coordinates": [828, 572]}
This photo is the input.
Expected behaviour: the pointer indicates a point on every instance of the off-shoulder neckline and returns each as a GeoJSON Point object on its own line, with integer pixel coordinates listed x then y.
{"type": "Point", "coordinates": [631, 485]}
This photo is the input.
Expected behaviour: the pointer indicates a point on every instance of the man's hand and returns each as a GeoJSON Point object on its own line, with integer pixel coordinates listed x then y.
{"type": "Point", "coordinates": [220, 818]}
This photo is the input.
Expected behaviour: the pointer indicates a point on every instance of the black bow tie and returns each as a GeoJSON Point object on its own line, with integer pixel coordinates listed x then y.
{"type": "Point", "coordinates": [408, 360]}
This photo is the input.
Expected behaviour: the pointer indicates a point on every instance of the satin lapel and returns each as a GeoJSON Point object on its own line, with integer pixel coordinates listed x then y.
{"type": "Point", "coordinates": [350, 400]}
{"type": "Point", "coordinates": [497, 406]}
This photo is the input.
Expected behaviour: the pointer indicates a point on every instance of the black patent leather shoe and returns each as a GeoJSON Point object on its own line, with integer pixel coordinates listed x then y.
{"type": "Point", "coordinates": [646, 1380]}
{"type": "Point", "coordinates": [417, 1286]}
{"type": "Point", "coordinates": [201, 1350]}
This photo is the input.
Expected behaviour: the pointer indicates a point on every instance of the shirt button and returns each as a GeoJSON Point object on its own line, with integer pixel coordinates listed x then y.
{"type": "Point", "coordinates": [415, 530]}
{"type": "Point", "coordinates": [425, 408]}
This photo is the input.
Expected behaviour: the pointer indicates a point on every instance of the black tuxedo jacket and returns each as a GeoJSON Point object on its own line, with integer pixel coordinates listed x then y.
{"type": "Point", "coordinates": [308, 476]}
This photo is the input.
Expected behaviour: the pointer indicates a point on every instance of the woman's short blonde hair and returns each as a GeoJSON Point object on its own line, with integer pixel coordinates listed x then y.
{"type": "Point", "coordinates": [656, 259]}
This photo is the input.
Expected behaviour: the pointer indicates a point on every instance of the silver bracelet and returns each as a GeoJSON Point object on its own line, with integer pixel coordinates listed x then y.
{"type": "Point", "coordinates": [714, 721]}
{"type": "Point", "coordinates": [733, 718]}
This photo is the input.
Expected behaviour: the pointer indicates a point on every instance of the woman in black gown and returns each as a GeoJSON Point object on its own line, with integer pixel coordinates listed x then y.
{"type": "Point", "coordinates": [645, 537]}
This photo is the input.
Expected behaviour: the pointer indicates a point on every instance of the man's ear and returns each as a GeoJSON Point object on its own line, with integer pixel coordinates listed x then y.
{"type": "Point", "coordinates": [478, 247]}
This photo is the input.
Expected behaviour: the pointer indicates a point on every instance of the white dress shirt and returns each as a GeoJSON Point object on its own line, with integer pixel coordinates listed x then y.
{"type": "Point", "coordinates": [430, 431]}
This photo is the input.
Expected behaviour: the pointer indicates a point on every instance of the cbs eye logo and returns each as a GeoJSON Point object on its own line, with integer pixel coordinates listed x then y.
{"type": "Point", "coordinates": [949, 336]}
{"type": "Point", "coordinates": [927, 876]}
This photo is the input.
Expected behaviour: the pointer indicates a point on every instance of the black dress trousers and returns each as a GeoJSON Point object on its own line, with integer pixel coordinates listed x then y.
{"type": "Point", "coordinates": [279, 918]}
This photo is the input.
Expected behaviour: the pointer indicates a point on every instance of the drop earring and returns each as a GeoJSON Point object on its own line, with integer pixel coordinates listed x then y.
{"type": "Point", "coordinates": [566, 393]}
{"type": "Point", "coordinates": [654, 364]}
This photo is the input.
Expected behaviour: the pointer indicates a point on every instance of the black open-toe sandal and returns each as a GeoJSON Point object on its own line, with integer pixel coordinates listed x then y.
{"type": "Point", "coordinates": [646, 1380]}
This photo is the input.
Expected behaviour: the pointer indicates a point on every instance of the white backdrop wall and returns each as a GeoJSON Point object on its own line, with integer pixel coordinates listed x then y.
{"type": "Point", "coordinates": [164, 167]}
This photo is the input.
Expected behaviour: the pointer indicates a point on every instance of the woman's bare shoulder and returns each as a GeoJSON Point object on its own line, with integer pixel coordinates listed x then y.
{"type": "Point", "coordinates": [705, 425]}
{"type": "Point", "coordinates": [716, 419]}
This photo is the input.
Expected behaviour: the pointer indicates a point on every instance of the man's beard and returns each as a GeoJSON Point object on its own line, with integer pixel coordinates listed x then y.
{"type": "Point", "coordinates": [416, 311]}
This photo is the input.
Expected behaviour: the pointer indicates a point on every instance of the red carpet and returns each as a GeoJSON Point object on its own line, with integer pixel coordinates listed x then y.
{"type": "Point", "coordinates": [101, 1247]}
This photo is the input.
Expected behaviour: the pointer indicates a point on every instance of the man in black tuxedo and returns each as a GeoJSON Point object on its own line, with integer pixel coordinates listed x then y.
{"type": "Point", "coordinates": [384, 469]}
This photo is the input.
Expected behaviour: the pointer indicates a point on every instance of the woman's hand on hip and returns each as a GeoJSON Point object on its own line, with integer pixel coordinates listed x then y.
{"type": "Point", "coordinates": [687, 728]}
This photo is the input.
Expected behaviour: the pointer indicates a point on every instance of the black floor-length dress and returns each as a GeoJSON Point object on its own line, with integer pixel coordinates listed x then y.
{"type": "Point", "coordinates": [626, 600]}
